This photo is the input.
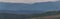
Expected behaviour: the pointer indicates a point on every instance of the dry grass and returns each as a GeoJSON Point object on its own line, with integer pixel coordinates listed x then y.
{"type": "Point", "coordinates": [48, 17]}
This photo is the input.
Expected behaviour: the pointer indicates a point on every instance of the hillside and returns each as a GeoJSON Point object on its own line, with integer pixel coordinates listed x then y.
{"type": "Point", "coordinates": [48, 17]}
{"type": "Point", "coordinates": [12, 16]}
{"type": "Point", "coordinates": [30, 8]}
{"type": "Point", "coordinates": [43, 6]}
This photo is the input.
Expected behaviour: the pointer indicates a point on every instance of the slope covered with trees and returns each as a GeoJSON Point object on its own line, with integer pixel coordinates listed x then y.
{"type": "Point", "coordinates": [22, 16]}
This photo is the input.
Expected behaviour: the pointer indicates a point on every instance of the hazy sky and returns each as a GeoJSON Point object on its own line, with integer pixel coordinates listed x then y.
{"type": "Point", "coordinates": [26, 1]}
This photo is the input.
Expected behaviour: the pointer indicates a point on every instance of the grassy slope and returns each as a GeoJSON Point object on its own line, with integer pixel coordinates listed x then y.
{"type": "Point", "coordinates": [48, 17]}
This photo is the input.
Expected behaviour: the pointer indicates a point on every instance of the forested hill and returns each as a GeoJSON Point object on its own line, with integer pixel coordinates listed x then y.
{"type": "Point", "coordinates": [22, 16]}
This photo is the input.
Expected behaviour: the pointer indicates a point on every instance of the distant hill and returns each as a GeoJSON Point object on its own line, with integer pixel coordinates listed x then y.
{"type": "Point", "coordinates": [37, 7]}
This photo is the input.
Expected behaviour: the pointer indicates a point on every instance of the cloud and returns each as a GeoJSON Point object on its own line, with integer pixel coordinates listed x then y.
{"type": "Point", "coordinates": [26, 1]}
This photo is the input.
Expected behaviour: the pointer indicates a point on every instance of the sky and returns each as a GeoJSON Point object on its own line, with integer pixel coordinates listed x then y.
{"type": "Point", "coordinates": [26, 1]}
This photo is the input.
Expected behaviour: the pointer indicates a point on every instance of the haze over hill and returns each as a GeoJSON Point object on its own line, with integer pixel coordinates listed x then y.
{"type": "Point", "coordinates": [40, 7]}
